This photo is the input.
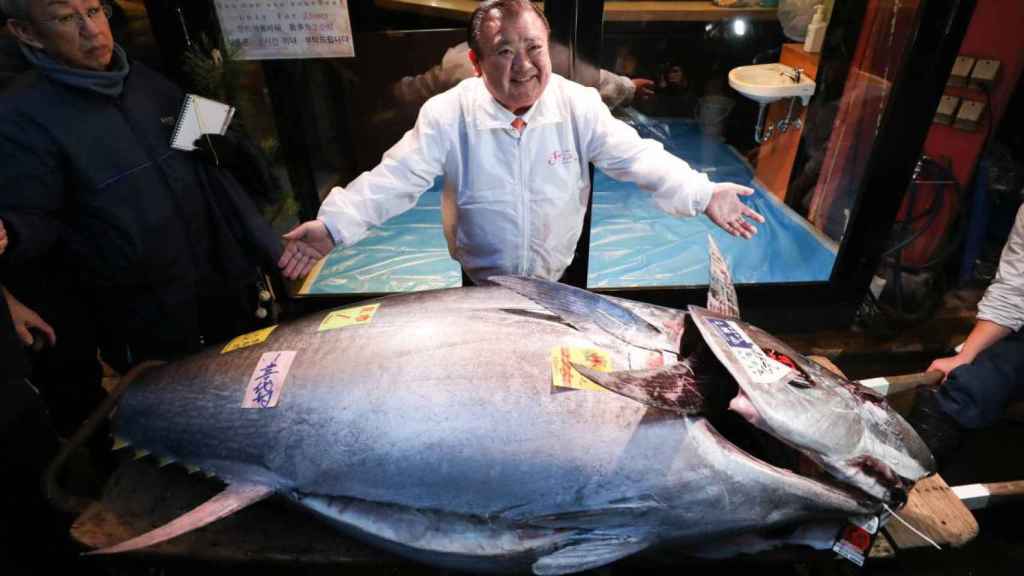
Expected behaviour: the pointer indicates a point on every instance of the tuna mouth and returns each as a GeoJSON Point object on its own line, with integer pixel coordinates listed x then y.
{"type": "Point", "coordinates": [743, 432]}
{"type": "Point", "coordinates": [865, 479]}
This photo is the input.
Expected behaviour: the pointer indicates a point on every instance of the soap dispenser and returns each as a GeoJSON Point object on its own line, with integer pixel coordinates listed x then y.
{"type": "Point", "coordinates": [816, 31]}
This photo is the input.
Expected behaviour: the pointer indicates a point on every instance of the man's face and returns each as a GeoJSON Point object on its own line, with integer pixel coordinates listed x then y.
{"type": "Point", "coordinates": [514, 59]}
{"type": "Point", "coordinates": [64, 30]}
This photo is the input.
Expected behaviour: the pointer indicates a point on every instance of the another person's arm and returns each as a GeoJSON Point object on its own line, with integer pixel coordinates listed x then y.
{"type": "Point", "coordinates": [23, 317]}
{"type": "Point", "coordinates": [984, 334]}
{"type": "Point", "coordinates": [32, 185]}
{"type": "Point", "coordinates": [618, 90]}
{"type": "Point", "coordinates": [1001, 310]}
{"type": "Point", "coordinates": [26, 320]}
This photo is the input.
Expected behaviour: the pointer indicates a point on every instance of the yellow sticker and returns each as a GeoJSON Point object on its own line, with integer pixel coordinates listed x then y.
{"type": "Point", "coordinates": [563, 375]}
{"type": "Point", "coordinates": [250, 339]}
{"type": "Point", "coordinates": [348, 317]}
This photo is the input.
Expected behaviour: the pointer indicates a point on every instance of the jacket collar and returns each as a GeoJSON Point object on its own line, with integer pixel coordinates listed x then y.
{"type": "Point", "coordinates": [488, 114]}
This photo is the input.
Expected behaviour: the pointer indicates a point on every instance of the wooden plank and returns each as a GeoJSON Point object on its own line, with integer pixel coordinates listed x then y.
{"type": "Point", "coordinates": [687, 11]}
{"type": "Point", "coordinates": [680, 12]}
{"type": "Point", "coordinates": [454, 9]}
{"type": "Point", "coordinates": [978, 496]}
{"type": "Point", "coordinates": [935, 510]}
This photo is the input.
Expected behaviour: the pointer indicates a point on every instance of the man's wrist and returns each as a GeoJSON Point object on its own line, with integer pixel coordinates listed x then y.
{"type": "Point", "coordinates": [330, 233]}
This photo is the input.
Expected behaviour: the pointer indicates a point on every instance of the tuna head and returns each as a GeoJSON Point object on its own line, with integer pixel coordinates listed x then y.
{"type": "Point", "coordinates": [846, 429]}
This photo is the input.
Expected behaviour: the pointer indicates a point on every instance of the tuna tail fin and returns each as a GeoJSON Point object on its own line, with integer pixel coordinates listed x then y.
{"type": "Point", "coordinates": [589, 313]}
{"type": "Point", "coordinates": [232, 499]}
{"type": "Point", "coordinates": [674, 388]}
{"type": "Point", "coordinates": [721, 292]}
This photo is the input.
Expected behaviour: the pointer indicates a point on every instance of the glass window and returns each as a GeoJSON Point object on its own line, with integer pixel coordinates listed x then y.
{"type": "Point", "coordinates": [800, 137]}
{"type": "Point", "coordinates": [738, 96]}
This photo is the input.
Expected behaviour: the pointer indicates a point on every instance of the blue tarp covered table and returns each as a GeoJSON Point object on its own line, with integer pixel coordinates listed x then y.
{"type": "Point", "coordinates": [632, 243]}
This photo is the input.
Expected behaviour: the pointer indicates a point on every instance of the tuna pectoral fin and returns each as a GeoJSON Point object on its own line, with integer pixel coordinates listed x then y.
{"type": "Point", "coordinates": [231, 500]}
{"type": "Point", "coordinates": [589, 313]}
{"type": "Point", "coordinates": [674, 388]}
{"type": "Point", "coordinates": [593, 551]}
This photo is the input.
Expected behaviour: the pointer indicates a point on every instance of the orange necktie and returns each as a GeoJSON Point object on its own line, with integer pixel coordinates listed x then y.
{"type": "Point", "coordinates": [519, 124]}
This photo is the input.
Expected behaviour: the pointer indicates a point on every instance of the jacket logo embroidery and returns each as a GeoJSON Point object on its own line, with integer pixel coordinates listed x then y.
{"type": "Point", "coordinates": [561, 157]}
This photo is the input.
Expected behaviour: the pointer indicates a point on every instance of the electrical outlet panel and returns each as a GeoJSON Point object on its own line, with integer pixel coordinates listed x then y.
{"type": "Point", "coordinates": [961, 71]}
{"type": "Point", "coordinates": [969, 116]}
{"type": "Point", "coordinates": [946, 111]}
{"type": "Point", "coordinates": [984, 73]}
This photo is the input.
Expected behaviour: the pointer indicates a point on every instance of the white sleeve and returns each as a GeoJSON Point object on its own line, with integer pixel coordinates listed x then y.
{"type": "Point", "coordinates": [406, 171]}
{"type": "Point", "coordinates": [620, 152]}
{"type": "Point", "coordinates": [1003, 302]}
{"type": "Point", "coordinates": [615, 90]}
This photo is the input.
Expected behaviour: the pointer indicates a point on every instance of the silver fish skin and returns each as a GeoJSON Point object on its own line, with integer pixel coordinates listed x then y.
{"type": "Point", "coordinates": [434, 431]}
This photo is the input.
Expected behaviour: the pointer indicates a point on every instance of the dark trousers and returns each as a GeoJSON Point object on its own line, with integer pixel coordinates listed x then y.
{"type": "Point", "coordinates": [976, 394]}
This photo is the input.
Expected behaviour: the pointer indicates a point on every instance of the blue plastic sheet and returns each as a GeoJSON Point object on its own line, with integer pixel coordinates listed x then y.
{"type": "Point", "coordinates": [405, 254]}
{"type": "Point", "coordinates": [632, 243]}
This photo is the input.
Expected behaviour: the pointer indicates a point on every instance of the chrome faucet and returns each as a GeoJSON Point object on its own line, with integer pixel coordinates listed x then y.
{"type": "Point", "coordinates": [793, 75]}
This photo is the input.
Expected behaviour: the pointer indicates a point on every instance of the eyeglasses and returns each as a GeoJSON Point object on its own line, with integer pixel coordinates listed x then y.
{"type": "Point", "coordinates": [75, 20]}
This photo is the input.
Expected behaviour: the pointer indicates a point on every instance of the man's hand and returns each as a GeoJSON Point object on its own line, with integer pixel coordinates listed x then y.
{"type": "Point", "coordinates": [306, 243]}
{"type": "Point", "coordinates": [27, 323]}
{"type": "Point", "coordinates": [726, 210]}
{"type": "Point", "coordinates": [948, 364]}
{"type": "Point", "coordinates": [644, 89]}
{"type": "Point", "coordinates": [3, 237]}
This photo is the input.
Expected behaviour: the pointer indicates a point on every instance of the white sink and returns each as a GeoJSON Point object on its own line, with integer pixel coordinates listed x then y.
{"type": "Point", "coordinates": [766, 83]}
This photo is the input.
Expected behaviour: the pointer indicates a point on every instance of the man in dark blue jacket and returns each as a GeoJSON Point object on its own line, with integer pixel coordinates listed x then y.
{"type": "Point", "coordinates": [165, 247]}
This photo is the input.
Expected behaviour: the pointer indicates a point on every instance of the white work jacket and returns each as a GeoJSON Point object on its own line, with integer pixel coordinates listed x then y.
{"type": "Point", "coordinates": [516, 200]}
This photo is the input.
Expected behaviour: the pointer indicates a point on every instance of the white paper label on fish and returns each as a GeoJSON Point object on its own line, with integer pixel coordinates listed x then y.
{"type": "Point", "coordinates": [267, 380]}
{"type": "Point", "coordinates": [760, 367]}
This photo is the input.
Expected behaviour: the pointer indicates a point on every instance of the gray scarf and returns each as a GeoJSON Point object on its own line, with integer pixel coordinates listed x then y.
{"type": "Point", "coordinates": [109, 83]}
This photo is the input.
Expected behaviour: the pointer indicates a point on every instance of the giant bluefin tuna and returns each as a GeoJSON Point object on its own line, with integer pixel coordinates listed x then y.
{"type": "Point", "coordinates": [436, 425]}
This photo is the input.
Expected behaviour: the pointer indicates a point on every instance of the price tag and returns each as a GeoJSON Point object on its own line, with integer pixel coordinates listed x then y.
{"type": "Point", "coordinates": [348, 317]}
{"type": "Point", "coordinates": [760, 367]}
{"type": "Point", "coordinates": [250, 339]}
{"type": "Point", "coordinates": [563, 375]}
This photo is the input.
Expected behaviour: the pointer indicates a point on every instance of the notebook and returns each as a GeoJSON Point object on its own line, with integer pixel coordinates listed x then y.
{"type": "Point", "coordinates": [200, 116]}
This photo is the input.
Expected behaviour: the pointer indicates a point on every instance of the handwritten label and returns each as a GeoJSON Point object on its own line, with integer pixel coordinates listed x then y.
{"type": "Point", "coordinates": [348, 317]}
{"type": "Point", "coordinates": [563, 375]}
{"type": "Point", "coordinates": [250, 339]}
{"type": "Point", "coordinates": [760, 367]}
{"type": "Point", "coordinates": [267, 380]}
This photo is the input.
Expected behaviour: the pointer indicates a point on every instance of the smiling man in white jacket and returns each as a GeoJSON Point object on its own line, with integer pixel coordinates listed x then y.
{"type": "Point", "coordinates": [513, 144]}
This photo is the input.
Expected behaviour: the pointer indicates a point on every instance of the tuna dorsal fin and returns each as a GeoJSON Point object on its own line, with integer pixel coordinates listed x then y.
{"type": "Point", "coordinates": [588, 312]}
{"type": "Point", "coordinates": [721, 292]}
{"type": "Point", "coordinates": [592, 551]}
{"type": "Point", "coordinates": [230, 500]}
{"type": "Point", "coordinates": [675, 388]}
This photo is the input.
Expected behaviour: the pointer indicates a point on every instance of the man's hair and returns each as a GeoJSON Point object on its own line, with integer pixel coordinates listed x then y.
{"type": "Point", "coordinates": [505, 9]}
{"type": "Point", "coordinates": [17, 9]}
